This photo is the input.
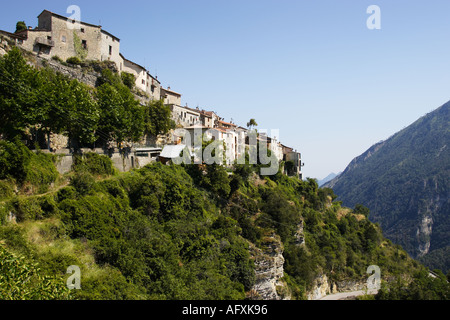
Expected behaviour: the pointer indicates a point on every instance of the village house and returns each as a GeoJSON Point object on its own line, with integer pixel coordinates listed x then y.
{"type": "Point", "coordinates": [145, 82]}
{"type": "Point", "coordinates": [59, 36]}
{"type": "Point", "coordinates": [209, 119]}
{"type": "Point", "coordinates": [56, 35]}
{"type": "Point", "coordinates": [170, 97]}
{"type": "Point", "coordinates": [289, 154]}
{"type": "Point", "coordinates": [184, 116]}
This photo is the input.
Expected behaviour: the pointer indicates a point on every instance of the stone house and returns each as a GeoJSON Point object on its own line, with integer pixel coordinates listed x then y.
{"type": "Point", "coordinates": [184, 116]}
{"type": "Point", "coordinates": [57, 35]}
{"type": "Point", "coordinates": [170, 97]}
{"type": "Point", "coordinates": [209, 119]}
{"type": "Point", "coordinates": [60, 36]}
{"type": "Point", "coordinates": [144, 80]}
{"type": "Point", "coordinates": [289, 154]}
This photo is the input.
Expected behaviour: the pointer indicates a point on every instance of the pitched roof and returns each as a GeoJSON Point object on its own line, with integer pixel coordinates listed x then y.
{"type": "Point", "coordinates": [228, 123]}
{"type": "Point", "coordinates": [12, 35]}
{"type": "Point", "coordinates": [172, 92]}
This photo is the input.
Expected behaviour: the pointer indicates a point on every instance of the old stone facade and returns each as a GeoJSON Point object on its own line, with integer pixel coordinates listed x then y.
{"type": "Point", "coordinates": [60, 36]}
{"type": "Point", "coordinates": [56, 35]}
{"type": "Point", "coordinates": [170, 97]}
{"type": "Point", "coordinates": [144, 81]}
{"type": "Point", "coordinates": [184, 116]}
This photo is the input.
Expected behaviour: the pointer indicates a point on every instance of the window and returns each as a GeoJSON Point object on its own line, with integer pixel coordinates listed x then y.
{"type": "Point", "coordinates": [110, 50]}
{"type": "Point", "coordinates": [63, 39]}
{"type": "Point", "coordinates": [143, 81]}
{"type": "Point", "coordinates": [84, 44]}
{"type": "Point", "coordinates": [82, 30]}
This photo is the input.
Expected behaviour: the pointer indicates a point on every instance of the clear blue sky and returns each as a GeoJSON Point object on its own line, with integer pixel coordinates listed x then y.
{"type": "Point", "coordinates": [311, 69]}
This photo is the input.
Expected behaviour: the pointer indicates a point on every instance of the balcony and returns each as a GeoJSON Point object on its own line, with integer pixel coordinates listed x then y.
{"type": "Point", "coordinates": [45, 42]}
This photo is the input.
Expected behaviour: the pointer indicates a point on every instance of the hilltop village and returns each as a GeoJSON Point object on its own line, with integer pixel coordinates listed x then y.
{"type": "Point", "coordinates": [58, 38]}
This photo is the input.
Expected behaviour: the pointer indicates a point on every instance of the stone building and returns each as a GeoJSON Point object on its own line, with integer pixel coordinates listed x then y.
{"type": "Point", "coordinates": [57, 35]}
{"type": "Point", "coordinates": [184, 116]}
{"type": "Point", "coordinates": [60, 36]}
{"type": "Point", "coordinates": [170, 97]}
{"type": "Point", "coordinates": [209, 119]}
{"type": "Point", "coordinates": [144, 80]}
{"type": "Point", "coordinates": [289, 154]}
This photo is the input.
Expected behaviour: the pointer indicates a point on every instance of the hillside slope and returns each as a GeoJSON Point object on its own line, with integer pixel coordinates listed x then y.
{"type": "Point", "coordinates": [404, 181]}
{"type": "Point", "coordinates": [176, 233]}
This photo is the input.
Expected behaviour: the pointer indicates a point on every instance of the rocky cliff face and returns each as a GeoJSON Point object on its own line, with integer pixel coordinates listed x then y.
{"type": "Point", "coordinates": [269, 270]}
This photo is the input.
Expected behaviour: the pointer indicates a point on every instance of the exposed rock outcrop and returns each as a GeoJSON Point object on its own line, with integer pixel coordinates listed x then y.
{"type": "Point", "coordinates": [321, 288]}
{"type": "Point", "coordinates": [269, 270]}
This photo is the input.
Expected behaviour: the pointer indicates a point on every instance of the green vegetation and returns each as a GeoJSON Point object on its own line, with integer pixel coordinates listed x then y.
{"type": "Point", "coordinates": [22, 280]}
{"type": "Point", "coordinates": [21, 26]}
{"type": "Point", "coordinates": [26, 169]}
{"type": "Point", "coordinates": [158, 118]}
{"type": "Point", "coordinates": [422, 287]}
{"type": "Point", "coordinates": [37, 102]}
{"type": "Point", "coordinates": [251, 124]}
{"type": "Point", "coordinates": [74, 60]}
{"type": "Point", "coordinates": [81, 51]}
{"type": "Point", "coordinates": [128, 79]}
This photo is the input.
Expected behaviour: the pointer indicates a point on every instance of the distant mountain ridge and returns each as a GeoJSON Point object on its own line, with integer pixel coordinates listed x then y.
{"type": "Point", "coordinates": [405, 182]}
{"type": "Point", "coordinates": [328, 178]}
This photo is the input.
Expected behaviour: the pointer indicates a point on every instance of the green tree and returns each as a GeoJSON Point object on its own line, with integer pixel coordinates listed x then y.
{"type": "Point", "coordinates": [18, 94]}
{"type": "Point", "coordinates": [69, 107]}
{"type": "Point", "coordinates": [158, 118]}
{"type": "Point", "coordinates": [121, 115]}
{"type": "Point", "coordinates": [128, 79]}
{"type": "Point", "coordinates": [14, 160]}
{"type": "Point", "coordinates": [251, 124]}
{"type": "Point", "coordinates": [360, 209]}
{"type": "Point", "coordinates": [20, 26]}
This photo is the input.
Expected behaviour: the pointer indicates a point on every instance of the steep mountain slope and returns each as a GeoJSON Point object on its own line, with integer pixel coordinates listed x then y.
{"type": "Point", "coordinates": [404, 181]}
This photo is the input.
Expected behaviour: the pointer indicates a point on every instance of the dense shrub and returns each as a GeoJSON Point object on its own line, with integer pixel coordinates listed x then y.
{"type": "Point", "coordinates": [19, 163]}
{"type": "Point", "coordinates": [128, 79]}
{"type": "Point", "coordinates": [6, 190]}
{"type": "Point", "coordinates": [14, 160]}
{"type": "Point", "coordinates": [94, 164]}
{"type": "Point", "coordinates": [83, 182]}
{"type": "Point", "coordinates": [74, 60]}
